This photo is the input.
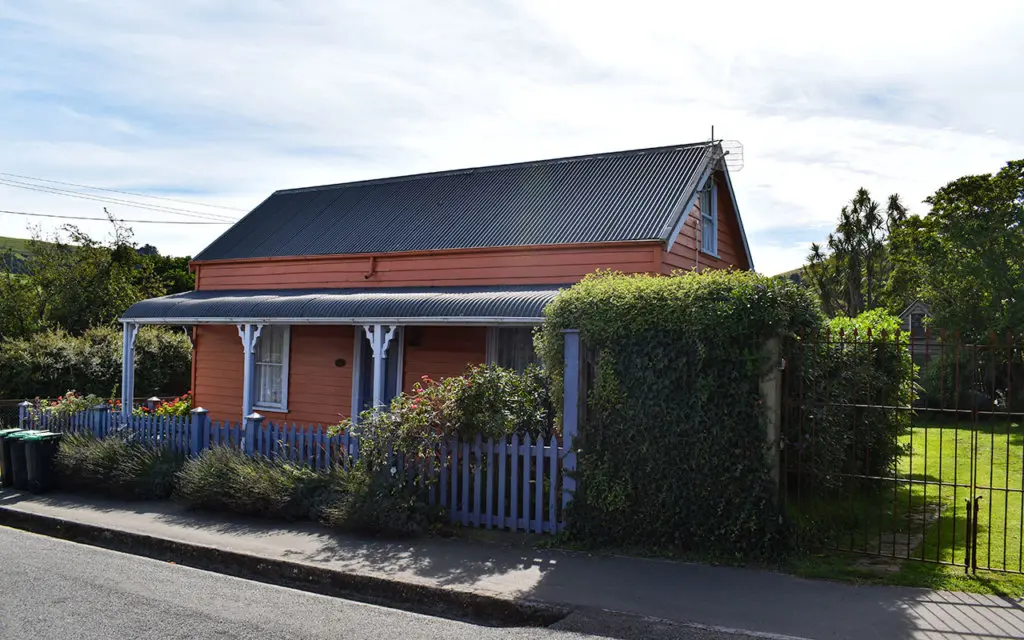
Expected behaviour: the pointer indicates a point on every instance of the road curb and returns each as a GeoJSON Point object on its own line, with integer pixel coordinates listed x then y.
{"type": "Point", "coordinates": [435, 601]}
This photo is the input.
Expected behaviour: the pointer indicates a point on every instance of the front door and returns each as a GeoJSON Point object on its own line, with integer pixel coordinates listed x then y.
{"type": "Point", "coordinates": [392, 370]}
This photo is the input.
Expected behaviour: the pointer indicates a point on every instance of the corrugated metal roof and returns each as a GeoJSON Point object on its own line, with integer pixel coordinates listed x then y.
{"type": "Point", "coordinates": [614, 197]}
{"type": "Point", "coordinates": [466, 305]}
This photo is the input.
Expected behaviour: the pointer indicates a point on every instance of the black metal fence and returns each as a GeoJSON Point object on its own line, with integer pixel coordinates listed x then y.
{"type": "Point", "coordinates": [932, 472]}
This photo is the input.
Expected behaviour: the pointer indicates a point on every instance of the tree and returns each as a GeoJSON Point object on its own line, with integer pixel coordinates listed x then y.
{"type": "Point", "coordinates": [72, 281]}
{"type": "Point", "coordinates": [173, 273]}
{"type": "Point", "coordinates": [968, 253]}
{"type": "Point", "coordinates": [20, 313]}
{"type": "Point", "coordinates": [850, 274]}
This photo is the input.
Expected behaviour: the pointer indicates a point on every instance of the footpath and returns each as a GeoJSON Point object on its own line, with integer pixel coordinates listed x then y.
{"type": "Point", "coordinates": [504, 580]}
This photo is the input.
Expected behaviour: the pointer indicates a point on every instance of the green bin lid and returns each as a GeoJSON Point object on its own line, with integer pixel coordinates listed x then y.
{"type": "Point", "coordinates": [7, 432]}
{"type": "Point", "coordinates": [21, 435]}
{"type": "Point", "coordinates": [42, 435]}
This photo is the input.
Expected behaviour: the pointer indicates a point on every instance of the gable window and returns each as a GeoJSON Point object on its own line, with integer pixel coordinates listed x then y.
{"type": "Point", "coordinates": [511, 347]}
{"type": "Point", "coordinates": [709, 218]}
{"type": "Point", "coordinates": [271, 366]}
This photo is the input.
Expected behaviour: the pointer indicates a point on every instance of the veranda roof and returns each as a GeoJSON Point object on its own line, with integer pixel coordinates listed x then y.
{"type": "Point", "coordinates": [411, 305]}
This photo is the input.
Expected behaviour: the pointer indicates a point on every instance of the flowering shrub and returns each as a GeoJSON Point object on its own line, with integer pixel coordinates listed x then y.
{"type": "Point", "coordinates": [487, 400]}
{"type": "Point", "coordinates": [67, 404]}
{"type": "Point", "coordinates": [180, 406]}
{"type": "Point", "coordinates": [387, 489]}
{"type": "Point", "coordinates": [496, 402]}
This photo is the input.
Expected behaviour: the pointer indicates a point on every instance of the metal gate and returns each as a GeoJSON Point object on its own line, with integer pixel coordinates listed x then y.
{"type": "Point", "coordinates": [936, 475]}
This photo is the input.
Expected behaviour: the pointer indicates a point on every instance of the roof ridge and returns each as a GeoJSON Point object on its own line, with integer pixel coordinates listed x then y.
{"type": "Point", "coordinates": [499, 167]}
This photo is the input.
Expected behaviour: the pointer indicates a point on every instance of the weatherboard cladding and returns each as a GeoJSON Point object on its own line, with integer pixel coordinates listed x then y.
{"type": "Point", "coordinates": [624, 196]}
{"type": "Point", "coordinates": [324, 304]}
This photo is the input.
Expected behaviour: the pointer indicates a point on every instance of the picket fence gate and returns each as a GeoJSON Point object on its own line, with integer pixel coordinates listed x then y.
{"type": "Point", "coordinates": [510, 483]}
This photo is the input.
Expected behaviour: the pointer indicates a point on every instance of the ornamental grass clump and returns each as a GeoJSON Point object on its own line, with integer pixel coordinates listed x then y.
{"type": "Point", "coordinates": [116, 467]}
{"type": "Point", "coordinates": [228, 479]}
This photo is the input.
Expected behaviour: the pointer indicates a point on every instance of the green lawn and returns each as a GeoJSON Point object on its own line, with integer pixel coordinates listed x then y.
{"type": "Point", "coordinates": [929, 520]}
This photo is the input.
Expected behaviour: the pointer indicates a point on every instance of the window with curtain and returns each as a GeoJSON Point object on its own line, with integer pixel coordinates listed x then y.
{"type": "Point", "coordinates": [511, 347]}
{"type": "Point", "coordinates": [709, 219]}
{"type": "Point", "coordinates": [271, 381]}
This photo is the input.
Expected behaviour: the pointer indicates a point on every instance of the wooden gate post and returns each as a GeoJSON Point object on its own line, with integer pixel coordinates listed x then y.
{"type": "Point", "coordinates": [570, 412]}
{"type": "Point", "coordinates": [198, 426]}
{"type": "Point", "coordinates": [99, 416]}
{"type": "Point", "coordinates": [23, 414]}
{"type": "Point", "coordinates": [253, 423]}
{"type": "Point", "coordinates": [771, 395]}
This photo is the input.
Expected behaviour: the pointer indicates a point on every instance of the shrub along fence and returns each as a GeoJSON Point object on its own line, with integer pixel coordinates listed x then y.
{"type": "Point", "coordinates": [504, 483]}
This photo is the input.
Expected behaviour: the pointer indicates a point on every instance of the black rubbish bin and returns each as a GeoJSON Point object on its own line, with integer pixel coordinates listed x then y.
{"type": "Point", "coordinates": [19, 463]}
{"type": "Point", "coordinates": [6, 473]}
{"type": "Point", "coordinates": [40, 452]}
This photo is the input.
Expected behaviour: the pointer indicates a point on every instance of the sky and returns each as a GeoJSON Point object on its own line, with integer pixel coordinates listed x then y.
{"type": "Point", "coordinates": [221, 103]}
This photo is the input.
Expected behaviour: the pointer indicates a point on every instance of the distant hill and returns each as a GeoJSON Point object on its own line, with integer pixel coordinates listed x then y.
{"type": "Point", "coordinates": [14, 250]}
{"type": "Point", "coordinates": [17, 245]}
{"type": "Point", "coordinates": [796, 275]}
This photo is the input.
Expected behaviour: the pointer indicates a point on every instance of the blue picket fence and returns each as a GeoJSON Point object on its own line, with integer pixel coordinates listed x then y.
{"type": "Point", "coordinates": [511, 483]}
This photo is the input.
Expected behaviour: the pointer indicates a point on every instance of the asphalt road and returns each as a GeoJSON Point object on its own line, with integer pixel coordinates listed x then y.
{"type": "Point", "coordinates": [53, 589]}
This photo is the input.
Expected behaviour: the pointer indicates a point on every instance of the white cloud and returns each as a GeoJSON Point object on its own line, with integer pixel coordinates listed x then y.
{"type": "Point", "coordinates": [227, 102]}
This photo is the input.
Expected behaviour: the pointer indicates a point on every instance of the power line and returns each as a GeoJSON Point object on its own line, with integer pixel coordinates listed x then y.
{"type": "Point", "coordinates": [54, 215]}
{"type": "Point", "coordinates": [127, 193]}
{"type": "Point", "coordinates": [106, 199]}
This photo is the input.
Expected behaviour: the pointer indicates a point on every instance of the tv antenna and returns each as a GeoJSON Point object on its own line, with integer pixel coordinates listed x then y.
{"type": "Point", "coordinates": [733, 154]}
{"type": "Point", "coordinates": [732, 151]}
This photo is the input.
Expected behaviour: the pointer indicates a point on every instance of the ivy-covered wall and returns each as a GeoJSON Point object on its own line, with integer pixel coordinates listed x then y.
{"type": "Point", "coordinates": [673, 444]}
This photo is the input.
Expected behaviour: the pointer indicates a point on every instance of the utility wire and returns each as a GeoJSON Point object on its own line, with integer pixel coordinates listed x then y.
{"type": "Point", "coordinates": [108, 199]}
{"type": "Point", "coordinates": [139, 205]}
{"type": "Point", "coordinates": [54, 215]}
{"type": "Point", "coordinates": [127, 193]}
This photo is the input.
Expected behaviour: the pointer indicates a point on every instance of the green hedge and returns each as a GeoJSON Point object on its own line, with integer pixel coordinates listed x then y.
{"type": "Point", "coordinates": [862, 361]}
{"type": "Point", "coordinates": [673, 444]}
{"type": "Point", "coordinates": [49, 363]}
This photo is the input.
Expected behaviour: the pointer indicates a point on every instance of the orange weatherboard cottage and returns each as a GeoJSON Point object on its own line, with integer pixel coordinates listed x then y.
{"type": "Point", "coordinates": [325, 301]}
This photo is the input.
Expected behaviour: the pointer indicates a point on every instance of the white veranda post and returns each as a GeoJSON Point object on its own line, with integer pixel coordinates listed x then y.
{"type": "Point", "coordinates": [131, 329]}
{"type": "Point", "coordinates": [250, 335]}
{"type": "Point", "coordinates": [379, 341]}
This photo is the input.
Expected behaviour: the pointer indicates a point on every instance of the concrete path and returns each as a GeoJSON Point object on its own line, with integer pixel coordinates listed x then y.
{"type": "Point", "coordinates": [767, 604]}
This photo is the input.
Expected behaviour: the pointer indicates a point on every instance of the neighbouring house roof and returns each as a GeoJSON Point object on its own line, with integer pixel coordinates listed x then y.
{"type": "Point", "coordinates": [611, 197]}
{"type": "Point", "coordinates": [917, 306]}
{"type": "Point", "coordinates": [422, 305]}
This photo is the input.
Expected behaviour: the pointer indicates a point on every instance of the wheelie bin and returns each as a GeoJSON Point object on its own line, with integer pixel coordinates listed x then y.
{"type": "Point", "coordinates": [6, 472]}
{"type": "Point", "coordinates": [19, 461]}
{"type": "Point", "coordinates": [40, 452]}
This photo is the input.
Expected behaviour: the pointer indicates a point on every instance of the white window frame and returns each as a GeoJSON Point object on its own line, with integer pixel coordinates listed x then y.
{"type": "Point", "coordinates": [492, 342]}
{"type": "Point", "coordinates": [286, 360]}
{"type": "Point", "coordinates": [709, 218]}
{"type": "Point", "coordinates": [360, 350]}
